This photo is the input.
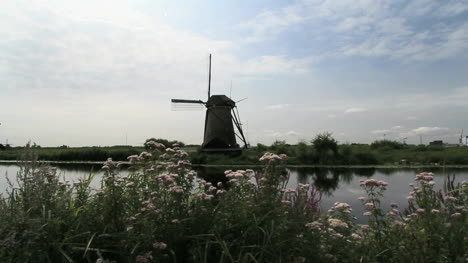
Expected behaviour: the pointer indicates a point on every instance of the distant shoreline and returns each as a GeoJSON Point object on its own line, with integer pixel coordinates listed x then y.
{"type": "Point", "coordinates": [461, 166]}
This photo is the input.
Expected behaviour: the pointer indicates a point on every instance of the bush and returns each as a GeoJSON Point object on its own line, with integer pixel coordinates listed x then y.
{"type": "Point", "coordinates": [388, 144]}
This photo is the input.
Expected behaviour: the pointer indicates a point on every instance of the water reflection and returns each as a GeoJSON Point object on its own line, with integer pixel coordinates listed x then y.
{"type": "Point", "coordinates": [336, 184]}
{"type": "Point", "coordinates": [327, 180]}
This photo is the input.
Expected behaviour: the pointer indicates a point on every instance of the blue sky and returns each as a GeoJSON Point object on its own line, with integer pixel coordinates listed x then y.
{"type": "Point", "coordinates": [103, 72]}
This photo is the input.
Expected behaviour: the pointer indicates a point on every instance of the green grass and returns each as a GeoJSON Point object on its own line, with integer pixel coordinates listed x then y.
{"type": "Point", "coordinates": [119, 153]}
{"type": "Point", "coordinates": [300, 154]}
{"type": "Point", "coordinates": [303, 154]}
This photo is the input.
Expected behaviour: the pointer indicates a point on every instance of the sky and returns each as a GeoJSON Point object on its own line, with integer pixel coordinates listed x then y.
{"type": "Point", "coordinates": [84, 73]}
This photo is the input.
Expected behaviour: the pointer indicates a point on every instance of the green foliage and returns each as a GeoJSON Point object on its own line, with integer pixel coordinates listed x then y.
{"type": "Point", "coordinates": [161, 212]}
{"type": "Point", "coordinates": [118, 153]}
{"type": "Point", "coordinates": [388, 145]}
{"type": "Point", "coordinates": [325, 143]}
{"type": "Point", "coordinates": [323, 150]}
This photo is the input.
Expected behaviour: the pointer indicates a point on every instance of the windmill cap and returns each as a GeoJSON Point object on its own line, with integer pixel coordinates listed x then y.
{"type": "Point", "coordinates": [220, 100]}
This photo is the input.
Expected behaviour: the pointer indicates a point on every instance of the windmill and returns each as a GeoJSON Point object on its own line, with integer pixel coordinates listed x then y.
{"type": "Point", "coordinates": [221, 118]}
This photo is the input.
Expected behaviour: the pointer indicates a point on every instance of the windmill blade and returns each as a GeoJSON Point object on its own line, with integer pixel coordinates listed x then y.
{"type": "Point", "coordinates": [241, 100]}
{"type": "Point", "coordinates": [238, 124]}
{"type": "Point", "coordinates": [209, 80]}
{"type": "Point", "coordinates": [187, 101]}
{"type": "Point", "coordinates": [180, 104]}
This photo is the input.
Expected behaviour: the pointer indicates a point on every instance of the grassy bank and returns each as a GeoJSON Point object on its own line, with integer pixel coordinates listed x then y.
{"type": "Point", "coordinates": [161, 212]}
{"type": "Point", "coordinates": [323, 150]}
{"type": "Point", "coordinates": [346, 154]}
{"type": "Point", "coordinates": [118, 153]}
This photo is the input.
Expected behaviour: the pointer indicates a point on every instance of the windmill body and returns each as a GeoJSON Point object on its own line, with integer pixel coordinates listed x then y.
{"type": "Point", "coordinates": [221, 122]}
{"type": "Point", "coordinates": [219, 129]}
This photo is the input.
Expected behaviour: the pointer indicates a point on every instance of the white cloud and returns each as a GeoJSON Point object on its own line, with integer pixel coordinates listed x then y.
{"type": "Point", "coordinates": [430, 131]}
{"type": "Point", "coordinates": [269, 23]}
{"type": "Point", "coordinates": [279, 135]}
{"type": "Point", "coordinates": [277, 106]}
{"type": "Point", "coordinates": [397, 127]}
{"type": "Point", "coordinates": [372, 28]}
{"type": "Point", "coordinates": [275, 65]}
{"type": "Point", "coordinates": [354, 110]}
{"type": "Point", "coordinates": [381, 131]}
{"type": "Point", "coordinates": [79, 60]}
{"type": "Point", "coordinates": [292, 134]}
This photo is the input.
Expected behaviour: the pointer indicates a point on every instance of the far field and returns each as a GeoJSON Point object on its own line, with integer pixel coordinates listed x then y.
{"type": "Point", "coordinates": [323, 150]}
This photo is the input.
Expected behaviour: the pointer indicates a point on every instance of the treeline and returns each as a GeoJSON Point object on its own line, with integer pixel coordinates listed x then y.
{"type": "Point", "coordinates": [65, 153]}
{"type": "Point", "coordinates": [325, 150]}
{"type": "Point", "coordinates": [94, 153]}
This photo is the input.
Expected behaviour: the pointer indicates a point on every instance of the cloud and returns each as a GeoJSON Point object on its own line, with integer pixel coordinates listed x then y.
{"type": "Point", "coordinates": [430, 131]}
{"type": "Point", "coordinates": [275, 65]}
{"type": "Point", "coordinates": [400, 30]}
{"type": "Point", "coordinates": [277, 106]}
{"type": "Point", "coordinates": [354, 110]}
{"type": "Point", "coordinates": [270, 23]}
{"type": "Point", "coordinates": [381, 131]}
{"type": "Point", "coordinates": [278, 134]}
{"type": "Point", "coordinates": [397, 127]}
{"type": "Point", "coordinates": [292, 134]}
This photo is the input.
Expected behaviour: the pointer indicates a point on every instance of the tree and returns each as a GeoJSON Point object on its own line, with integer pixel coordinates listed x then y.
{"type": "Point", "coordinates": [326, 147]}
{"type": "Point", "coordinates": [324, 142]}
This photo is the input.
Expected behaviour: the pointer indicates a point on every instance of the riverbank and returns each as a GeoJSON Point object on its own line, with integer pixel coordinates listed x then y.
{"type": "Point", "coordinates": [159, 209]}
{"type": "Point", "coordinates": [376, 155]}
{"type": "Point", "coordinates": [451, 166]}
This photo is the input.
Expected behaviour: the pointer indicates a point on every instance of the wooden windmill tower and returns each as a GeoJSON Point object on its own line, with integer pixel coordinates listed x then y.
{"type": "Point", "coordinates": [221, 118]}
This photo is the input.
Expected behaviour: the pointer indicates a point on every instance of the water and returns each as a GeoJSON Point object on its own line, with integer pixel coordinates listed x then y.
{"type": "Point", "coordinates": [337, 184]}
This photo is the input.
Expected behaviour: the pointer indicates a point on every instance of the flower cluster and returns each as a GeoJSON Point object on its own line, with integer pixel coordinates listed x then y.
{"type": "Point", "coordinates": [271, 157]}
{"type": "Point", "coordinates": [336, 223]}
{"type": "Point", "coordinates": [153, 145]}
{"type": "Point", "coordinates": [425, 179]}
{"type": "Point", "coordinates": [371, 183]}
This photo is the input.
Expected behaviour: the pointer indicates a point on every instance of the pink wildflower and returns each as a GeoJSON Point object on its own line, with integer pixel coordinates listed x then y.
{"type": "Point", "coordinates": [455, 215]}
{"type": "Point", "coordinates": [450, 198]}
{"type": "Point", "coordinates": [160, 245]}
